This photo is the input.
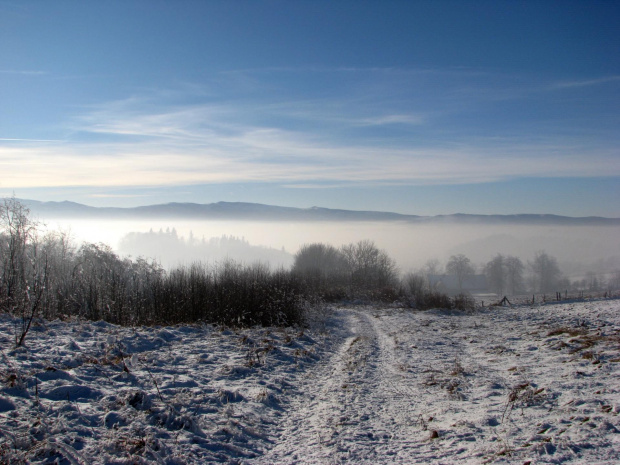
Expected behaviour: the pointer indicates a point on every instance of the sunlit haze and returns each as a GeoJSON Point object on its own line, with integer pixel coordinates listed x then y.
{"type": "Point", "coordinates": [578, 248]}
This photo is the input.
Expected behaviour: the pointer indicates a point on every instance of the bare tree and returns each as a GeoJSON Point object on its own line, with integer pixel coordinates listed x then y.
{"type": "Point", "coordinates": [319, 264]}
{"type": "Point", "coordinates": [432, 266]}
{"type": "Point", "coordinates": [17, 231]}
{"type": "Point", "coordinates": [514, 274]}
{"type": "Point", "coordinates": [460, 266]}
{"type": "Point", "coordinates": [369, 267]}
{"type": "Point", "coordinates": [504, 274]}
{"type": "Point", "coordinates": [593, 281]}
{"type": "Point", "coordinates": [546, 272]}
{"type": "Point", "coordinates": [24, 265]}
{"type": "Point", "coordinates": [613, 284]}
{"type": "Point", "coordinates": [495, 271]}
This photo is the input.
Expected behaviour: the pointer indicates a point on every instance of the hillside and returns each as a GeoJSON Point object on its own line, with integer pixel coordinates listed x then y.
{"type": "Point", "coordinates": [365, 385]}
{"type": "Point", "coordinates": [255, 211]}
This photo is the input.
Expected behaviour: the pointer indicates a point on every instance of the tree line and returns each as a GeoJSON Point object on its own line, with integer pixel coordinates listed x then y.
{"type": "Point", "coordinates": [173, 249]}
{"type": "Point", "coordinates": [48, 275]}
{"type": "Point", "coordinates": [364, 270]}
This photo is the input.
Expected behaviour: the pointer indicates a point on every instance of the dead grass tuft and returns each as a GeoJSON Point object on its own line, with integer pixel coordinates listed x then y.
{"type": "Point", "coordinates": [588, 355]}
{"type": "Point", "coordinates": [573, 332]}
{"type": "Point", "coordinates": [522, 395]}
{"type": "Point", "coordinates": [457, 368]}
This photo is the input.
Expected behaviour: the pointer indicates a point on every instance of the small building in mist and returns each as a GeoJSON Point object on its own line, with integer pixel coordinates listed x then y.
{"type": "Point", "coordinates": [475, 285]}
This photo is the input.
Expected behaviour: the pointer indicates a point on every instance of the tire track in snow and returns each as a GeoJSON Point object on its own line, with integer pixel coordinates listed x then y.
{"type": "Point", "coordinates": [355, 407]}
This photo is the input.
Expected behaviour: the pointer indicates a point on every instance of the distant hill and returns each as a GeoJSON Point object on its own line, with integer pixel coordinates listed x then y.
{"type": "Point", "coordinates": [258, 212]}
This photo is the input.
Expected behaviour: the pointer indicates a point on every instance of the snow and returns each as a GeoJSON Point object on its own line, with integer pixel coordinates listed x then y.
{"type": "Point", "coordinates": [370, 385]}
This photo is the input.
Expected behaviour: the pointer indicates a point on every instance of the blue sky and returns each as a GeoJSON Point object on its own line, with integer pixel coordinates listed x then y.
{"type": "Point", "coordinates": [429, 107]}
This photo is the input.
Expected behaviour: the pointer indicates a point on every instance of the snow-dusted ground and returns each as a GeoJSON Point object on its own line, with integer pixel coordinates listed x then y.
{"type": "Point", "coordinates": [501, 385]}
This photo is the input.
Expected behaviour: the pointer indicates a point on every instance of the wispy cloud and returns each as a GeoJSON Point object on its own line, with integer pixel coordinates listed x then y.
{"type": "Point", "coordinates": [23, 72]}
{"type": "Point", "coordinates": [363, 137]}
{"type": "Point", "coordinates": [586, 82]}
{"type": "Point", "coordinates": [6, 139]}
{"type": "Point", "coordinates": [392, 119]}
{"type": "Point", "coordinates": [274, 156]}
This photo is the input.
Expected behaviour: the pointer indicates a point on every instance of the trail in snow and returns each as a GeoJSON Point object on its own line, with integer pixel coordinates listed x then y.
{"type": "Point", "coordinates": [363, 405]}
{"type": "Point", "coordinates": [354, 406]}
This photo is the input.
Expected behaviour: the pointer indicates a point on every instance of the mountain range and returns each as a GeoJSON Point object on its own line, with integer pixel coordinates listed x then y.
{"type": "Point", "coordinates": [243, 211]}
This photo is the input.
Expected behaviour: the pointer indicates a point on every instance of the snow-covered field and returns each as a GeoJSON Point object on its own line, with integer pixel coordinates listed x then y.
{"type": "Point", "coordinates": [523, 385]}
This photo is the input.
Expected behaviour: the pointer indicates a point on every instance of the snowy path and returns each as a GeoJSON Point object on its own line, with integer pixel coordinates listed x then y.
{"type": "Point", "coordinates": [352, 404]}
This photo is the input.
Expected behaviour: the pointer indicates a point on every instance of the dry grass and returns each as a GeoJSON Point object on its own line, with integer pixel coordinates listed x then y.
{"type": "Point", "coordinates": [588, 355]}
{"type": "Point", "coordinates": [582, 341]}
{"type": "Point", "coordinates": [522, 395]}
{"type": "Point", "coordinates": [573, 332]}
{"type": "Point", "coordinates": [457, 368]}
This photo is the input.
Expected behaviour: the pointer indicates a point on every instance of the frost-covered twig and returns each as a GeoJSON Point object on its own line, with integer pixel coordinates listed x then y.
{"type": "Point", "coordinates": [155, 383]}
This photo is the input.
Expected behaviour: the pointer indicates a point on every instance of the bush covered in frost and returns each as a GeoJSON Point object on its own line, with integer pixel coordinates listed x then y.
{"type": "Point", "coordinates": [46, 275]}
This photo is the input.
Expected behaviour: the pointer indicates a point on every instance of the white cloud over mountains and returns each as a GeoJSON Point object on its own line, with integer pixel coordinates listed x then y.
{"type": "Point", "coordinates": [373, 133]}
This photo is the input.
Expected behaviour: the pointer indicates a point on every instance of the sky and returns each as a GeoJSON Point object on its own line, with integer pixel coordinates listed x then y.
{"type": "Point", "coordinates": [418, 107]}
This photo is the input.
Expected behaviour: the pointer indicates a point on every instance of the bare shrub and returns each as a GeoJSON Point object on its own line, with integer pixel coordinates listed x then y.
{"type": "Point", "coordinates": [464, 302]}
{"type": "Point", "coordinates": [435, 299]}
{"type": "Point", "coordinates": [522, 395]}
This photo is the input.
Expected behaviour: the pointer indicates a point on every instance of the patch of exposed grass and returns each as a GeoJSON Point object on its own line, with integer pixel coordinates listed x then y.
{"type": "Point", "coordinates": [573, 332]}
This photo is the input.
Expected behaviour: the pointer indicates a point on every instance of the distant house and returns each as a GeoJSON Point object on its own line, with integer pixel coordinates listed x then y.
{"type": "Point", "coordinates": [449, 284]}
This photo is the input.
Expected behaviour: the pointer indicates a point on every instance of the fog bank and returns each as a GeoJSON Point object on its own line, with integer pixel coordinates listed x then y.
{"type": "Point", "coordinates": [577, 248]}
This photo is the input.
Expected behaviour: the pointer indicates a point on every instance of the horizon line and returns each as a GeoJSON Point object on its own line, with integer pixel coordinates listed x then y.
{"type": "Point", "coordinates": [410, 215]}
